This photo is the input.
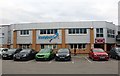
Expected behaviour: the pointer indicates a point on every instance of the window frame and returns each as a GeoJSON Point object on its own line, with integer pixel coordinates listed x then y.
{"type": "Point", "coordinates": [24, 32]}
{"type": "Point", "coordinates": [99, 33]}
{"type": "Point", "coordinates": [77, 31]}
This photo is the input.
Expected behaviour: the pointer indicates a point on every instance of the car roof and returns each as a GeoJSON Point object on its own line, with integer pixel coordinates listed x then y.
{"type": "Point", "coordinates": [3, 48]}
{"type": "Point", "coordinates": [25, 50]}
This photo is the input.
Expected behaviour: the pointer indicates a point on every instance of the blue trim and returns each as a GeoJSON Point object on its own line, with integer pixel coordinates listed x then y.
{"type": "Point", "coordinates": [48, 37]}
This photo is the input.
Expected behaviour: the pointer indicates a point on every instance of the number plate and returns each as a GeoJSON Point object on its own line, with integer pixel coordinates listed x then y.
{"type": "Point", "coordinates": [102, 57]}
{"type": "Point", "coordinates": [4, 56]}
{"type": "Point", "coordinates": [18, 57]}
{"type": "Point", "coordinates": [62, 57]}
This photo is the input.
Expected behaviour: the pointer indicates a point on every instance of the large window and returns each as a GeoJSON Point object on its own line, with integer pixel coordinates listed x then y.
{"type": "Point", "coordinates": [25, 46]}
{"type": "Point", "coordinates": [24, 32]}
{"type": "Point", "coordinates": [48, 31]}
{"type": "Point", "coordinates": [77, 31]}
{"type": "Point", "coordinates": [110, 33]}
{"type": "Point", "coordinates": [99, 32]}
{"type": "Point", "coordinates": [48, 46]}
{"type": "Point", "coordinates": [77, 46]}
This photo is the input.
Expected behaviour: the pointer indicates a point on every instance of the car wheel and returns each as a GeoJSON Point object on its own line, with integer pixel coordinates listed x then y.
{"type": "Point", "coordinates": [110, 56]}
{"type": "Point", "coordinates": [89, 57]}
{"type": "Point", "coordinates": [56, 59]}
{"type": "Point", "coordinates": [116, 57]}
{"type": "Point", "coordinates": [70, 59]}
{"type": "Point", "coordinates": [93, 59]}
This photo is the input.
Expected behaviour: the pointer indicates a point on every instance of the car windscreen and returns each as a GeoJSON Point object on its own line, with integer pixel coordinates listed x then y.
{"type": "Point", "coordinates": [4, 50]}
{"type": "Point", "coordinates": [44, 51]}
{"type": "Point", "coordinates": [63, 51]}
{"type": "Point", "coordinates": [98, 50]}
{"type": "Point", "coordinates": [118, 50]}
{"type": "Point", "coordinates": [11, 50]}
{"type": "Point", "coordinates": [25, 51]}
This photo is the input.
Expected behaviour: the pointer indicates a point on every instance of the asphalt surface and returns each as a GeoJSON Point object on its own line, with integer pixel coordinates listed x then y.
{"type": "Point", "coordinates": [78, 65]}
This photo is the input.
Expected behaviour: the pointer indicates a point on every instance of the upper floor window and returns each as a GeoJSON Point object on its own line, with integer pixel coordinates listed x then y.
{"type": "Point", "coordinates": [24, 32]}
{"type": "Point", "coordinates": [110, 33]}
{"type": "Point", "coordinates": [48, 31]}
{"type": "Point", "coordinates": [99, 32]}
{"type": "Point", "coordinates": [77, 31]}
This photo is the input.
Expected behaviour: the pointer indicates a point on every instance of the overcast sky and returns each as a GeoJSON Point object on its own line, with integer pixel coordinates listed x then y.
{"type": "Point", "coordinates": [25, 11]}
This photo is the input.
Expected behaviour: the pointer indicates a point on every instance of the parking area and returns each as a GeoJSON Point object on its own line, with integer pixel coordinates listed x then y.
{"type": "Point", "coordinates": [78, 65]}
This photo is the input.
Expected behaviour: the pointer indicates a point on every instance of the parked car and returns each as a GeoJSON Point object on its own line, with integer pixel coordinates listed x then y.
{"type": "Point", "coordinates": [98, 54]}
{"type": "Point", "coordinates": [45, 54]}
{"type": "Point", "coordinates": [25, 54]}
{"type": "Point", "coordinates": [8, 54]}
{"type": "Point", "coordinates": [63, 54]}
{"type": "Point", "coordinates": [2, 50]}
{"type": "Point", "coordinates": [115, 53]}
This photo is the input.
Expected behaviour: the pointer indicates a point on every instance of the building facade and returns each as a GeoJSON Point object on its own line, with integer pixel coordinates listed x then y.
{"type": "Point", "coordinates": [118, 36]}
{"type": "Point", "coordinates": [81, 36]}
{"type": "Point", "coordinates": [119, 13]}
{"type": "Point", "coordinates": [5, 36]}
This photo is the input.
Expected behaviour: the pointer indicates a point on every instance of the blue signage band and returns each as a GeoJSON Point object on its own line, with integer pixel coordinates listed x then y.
{"type": "Point", "coordinates": [48, 37]}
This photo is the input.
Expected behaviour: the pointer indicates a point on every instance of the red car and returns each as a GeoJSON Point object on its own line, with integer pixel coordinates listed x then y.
{"type": "Point", "coordinates": [98, 54]}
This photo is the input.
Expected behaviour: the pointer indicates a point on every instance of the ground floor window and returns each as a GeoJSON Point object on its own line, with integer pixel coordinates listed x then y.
{"type": "Point", "coordinates": [77, 46]}
{"type": "Point", "coordinates": [24, 46]}
{"type": "Point", "coordinates": [48, 46]}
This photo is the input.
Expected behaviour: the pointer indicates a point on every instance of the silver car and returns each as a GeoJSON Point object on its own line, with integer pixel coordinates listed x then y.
{"type": "Point", "coordinates": [2, 50]}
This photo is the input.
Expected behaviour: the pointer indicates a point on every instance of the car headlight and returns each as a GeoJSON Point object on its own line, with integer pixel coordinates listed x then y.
{"type": "Point", "coordinates": [14, 55]}
{"type": "Point", "coordinates": [56, 54]}
{"type": "Point", "coordinates": [95, 54]}
{"type": "Point", "coordinates": [9, 54]}
{"type": "Point", "coordinates": [67, 54]}
{"type": "Point", "coordinates": [24, 55]}
{"type": "Point", "coordinates": [107, 54]}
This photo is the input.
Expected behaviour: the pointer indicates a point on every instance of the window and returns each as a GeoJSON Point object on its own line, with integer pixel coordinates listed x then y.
{"type": "Point", "coordinates": [70, 31]}
{"type": "Point", "coordinates": [24, 32]}
{"type": "Point", "coordinates": [48, 46]}
{"type": "Point", "coordinates": [48, 31]}
{"type": "Point", "coordinates": [77, 46]}
{"type": "Point", "coordinates": [41, 31]}
{"type": "Point", "coordinates": [77, 31]}
{"type": "Point", "coordinates": [110, 33]}
{"type": "Point", "coordinates": [42, 46]}
{"type": "Point", "coordinates": [25, 46]}
{"type": "Point", "coordinates": [3, 34]}
{"type": "Point", "coordinates": [99, 32]}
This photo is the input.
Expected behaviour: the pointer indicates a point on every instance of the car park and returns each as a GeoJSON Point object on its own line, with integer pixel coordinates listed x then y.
{"type": "Point", "coordinates": [25, 54]}
{"type": "Point", "coordinates": [98, 54]}
{"type": "Point", "coordinates": [115, 53]}
{"type": "Point", "coordinates": [45, 54]}
{"type": "Point", "coordinates": [63, 54]}
{"type": "Point", "coordinates": [8, 54]}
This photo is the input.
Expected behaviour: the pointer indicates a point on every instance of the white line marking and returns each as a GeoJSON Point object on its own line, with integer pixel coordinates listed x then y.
{"type": "Point", "coordinates": [88, 60]}
{"type": "Point", "coordinates": [73, 62]}
{"type": "Point", "coordinates": [100, 62]}
{"type": "Point", "coordinates": [50, 62]}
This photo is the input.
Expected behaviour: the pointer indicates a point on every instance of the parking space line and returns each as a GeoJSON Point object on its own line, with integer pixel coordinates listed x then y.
{"type": "Point", "coordinates": [73, 62]}
{"type": "Point", "coordinates": [113, 60]}
{"type": "Point", "coordinates": [88, 59]}
{"type": "Point", "coordinates": [50, 61]}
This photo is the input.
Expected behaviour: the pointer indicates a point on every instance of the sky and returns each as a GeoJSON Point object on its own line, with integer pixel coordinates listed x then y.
{"type": "Point", "coordinates": [32, 11]}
